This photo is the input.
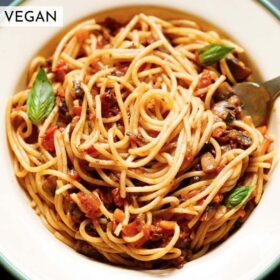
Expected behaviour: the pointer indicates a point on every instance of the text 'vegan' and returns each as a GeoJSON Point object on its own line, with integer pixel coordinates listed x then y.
{"type": "Point", "coordinates": [31, 16]}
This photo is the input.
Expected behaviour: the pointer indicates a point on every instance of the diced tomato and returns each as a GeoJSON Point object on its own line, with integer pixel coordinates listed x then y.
{"type": "Point", "coordinates": [77, 110]}
{"type": "Point", "coordinates": [60, 92]}
{"type": "Point", "coordinates": [218, 132]}
{"type": "Point", "coordinates": [82, 35]}
{"type": "Point", "coordinates": [119, 215]}
{"type": "Point", "coordinates": [89, 204]}
{"type": "Point", "coordinates": [241, 213]}
{"type": "Point", "coordinates": [91, 151]}
{"type": "Point", "coordinates": [132, 229]}
{"type": "Point", "coordinates": [48, 139]}
{"type": "Point", "coordinates": [74, 175]}
{"type": "Point", "coordinates": [94, 66]}
{"type": "Point", "coordinates": [205, 79]}
{"type": "Point", "coordinates": [262, 129]}
{"type": "Point", "coordinates": [61, 69]}
{"type": "Point", "coordinates": [132, 139]}
{"type": "Point", "coordinates": [218, 198]}
{"type": "Point", "coordinates": [118, 200]}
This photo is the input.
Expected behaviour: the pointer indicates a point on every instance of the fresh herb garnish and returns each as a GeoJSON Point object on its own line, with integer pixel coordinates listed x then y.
{"type": "Point", "coordinates": [41, 99]}
{"type": "Point", "coordinates": [213, 53]}
{"type": "Point", "coordinates": [238, 196]}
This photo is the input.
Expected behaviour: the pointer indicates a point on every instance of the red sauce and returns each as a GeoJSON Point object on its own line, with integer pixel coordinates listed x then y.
{"type": "Point", "coordinates": [61, 70]}
{"type": "Point", "coordinates": [48, 139]}
{"type": "Point", "coordinates": [89, 204]}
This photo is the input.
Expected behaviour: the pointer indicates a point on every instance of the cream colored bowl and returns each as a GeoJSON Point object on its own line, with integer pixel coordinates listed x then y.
{"type": "Point", "coordinates": [29, 249]}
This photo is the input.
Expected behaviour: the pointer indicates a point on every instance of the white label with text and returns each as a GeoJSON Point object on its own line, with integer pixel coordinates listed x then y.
{"type": "Point", "coordinates": [31, 16]}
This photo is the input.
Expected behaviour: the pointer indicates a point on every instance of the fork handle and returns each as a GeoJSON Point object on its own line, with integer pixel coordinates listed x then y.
{"type": "Point", "coordinates": [273, 87]}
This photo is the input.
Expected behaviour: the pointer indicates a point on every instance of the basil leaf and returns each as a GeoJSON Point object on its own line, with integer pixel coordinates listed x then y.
{"type": "Point", "coordinates": [238, 196]}
{"type": "Point", "coordinates": [40, 100]}
{"type": "Point", "coordinates": [213, 53]}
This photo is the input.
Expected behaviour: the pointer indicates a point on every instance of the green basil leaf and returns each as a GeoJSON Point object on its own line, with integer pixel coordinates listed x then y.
{"type": "Point", "coordinates": [213, 53]}
{"type": "Point", "coordinates": [41, 99]}
{"type": "Point", "coordinates": [238, 196]}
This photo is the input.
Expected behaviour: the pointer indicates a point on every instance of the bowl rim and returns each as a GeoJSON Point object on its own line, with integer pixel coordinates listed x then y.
{"type": "Point", "coordinates": [273, 9]}
{"type": "Point", "coordinates": [18, 274]}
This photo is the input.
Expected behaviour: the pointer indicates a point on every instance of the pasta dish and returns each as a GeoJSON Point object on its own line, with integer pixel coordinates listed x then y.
{"type": "Point", "coordinates": [131, 144]}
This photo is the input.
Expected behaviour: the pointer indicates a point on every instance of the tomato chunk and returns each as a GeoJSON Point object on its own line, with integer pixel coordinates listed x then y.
{"type": "Point", "coordinates": [77, 110]}
{"type": "Point", "coordinates": [89, 204]}
{"type": "Point", "coordinates": [82, 35]}
{"type": "Point", "coordinates": [48, 139]}
{"type": "Point", "coordinates": [118, 200]}
{"type": "Point", "coordinates": [91, 151]}
{"type": "Point", "coordinates": [61, 69]}
{"type": "Point", "coordinates": [119, 215]}
{"type": "Point", "coordinates": [205, 79]}
{"type": "Point", "coordinates": [132, 229]}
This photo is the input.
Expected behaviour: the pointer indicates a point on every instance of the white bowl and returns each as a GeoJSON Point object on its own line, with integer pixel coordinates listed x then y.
{"type": "Point", "coordinates": [29, 250]}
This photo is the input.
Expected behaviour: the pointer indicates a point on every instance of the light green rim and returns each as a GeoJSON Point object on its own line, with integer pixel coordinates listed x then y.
{"type": "Point", "coordinates": [269, 269]}
{"type": "Point", "coordinates": [271, 8]}
{"type": "Point", "coordinates": [20, 275]}
{"type": "Point", "coordinates": [4, 262]}
{"type": "Point", "coordinates": [16, 2]}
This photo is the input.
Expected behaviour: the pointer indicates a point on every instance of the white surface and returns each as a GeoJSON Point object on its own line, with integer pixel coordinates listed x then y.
{"type": "Point", "coordinates": [25, 241]}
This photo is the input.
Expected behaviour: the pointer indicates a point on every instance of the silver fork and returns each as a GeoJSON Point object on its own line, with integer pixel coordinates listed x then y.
{"type": "Point", "coordinates": [257, 99]}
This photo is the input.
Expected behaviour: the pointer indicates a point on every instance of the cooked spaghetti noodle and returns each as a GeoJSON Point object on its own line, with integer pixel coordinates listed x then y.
{"type": "Point", "coordinates": [143, 146]}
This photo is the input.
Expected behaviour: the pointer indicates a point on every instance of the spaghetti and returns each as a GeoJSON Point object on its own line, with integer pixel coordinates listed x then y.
{"type": "Point", "coordinates": [144, 147]}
